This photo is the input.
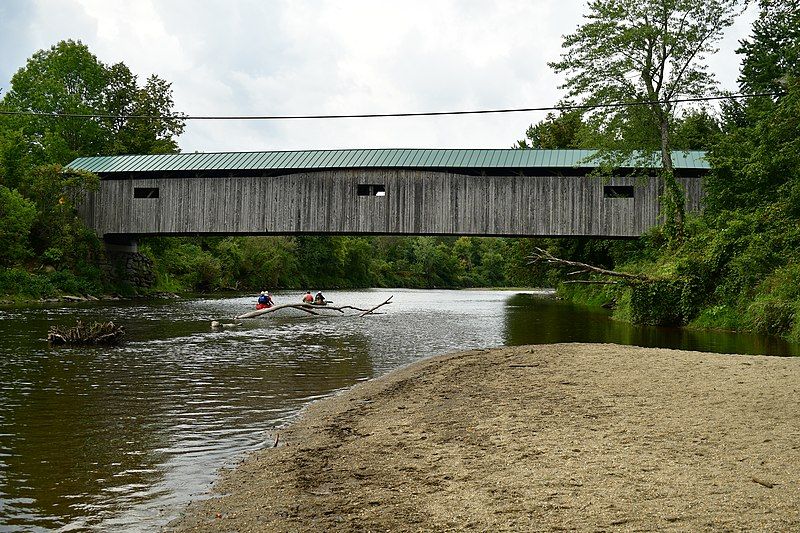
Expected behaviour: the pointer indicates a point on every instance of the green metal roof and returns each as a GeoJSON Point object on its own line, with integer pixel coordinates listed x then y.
{"type": "Point", "coordinates": [443, 158]}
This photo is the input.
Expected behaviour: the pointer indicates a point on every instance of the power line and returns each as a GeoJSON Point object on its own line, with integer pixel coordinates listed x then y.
{"type": "Point", "coordinates": [571, 107]}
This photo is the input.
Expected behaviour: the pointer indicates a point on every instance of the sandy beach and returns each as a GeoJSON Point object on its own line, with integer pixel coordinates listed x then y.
{"type": "Point", "coordinates": [533, 438]}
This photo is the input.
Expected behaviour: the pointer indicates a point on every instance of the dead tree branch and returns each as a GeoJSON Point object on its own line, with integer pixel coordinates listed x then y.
{"type": "Point", "coordinates": [308, 308]}
{"type": "Point", "coordinates": [592, 281]}
{"type": "Point", "coordinates": [312, 309]}
{"type": "Point", "coordinates": [96, 333]}
{"type": "Point", "coordinates": [371, 310]}
{"type": "Point", "coordinates": [543, 256]}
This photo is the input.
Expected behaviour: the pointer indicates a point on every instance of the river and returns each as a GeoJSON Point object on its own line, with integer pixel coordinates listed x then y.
{"type": "Point", "coordinates": [124, 437]}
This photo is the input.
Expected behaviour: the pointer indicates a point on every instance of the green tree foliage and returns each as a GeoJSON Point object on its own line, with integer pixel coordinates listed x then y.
{"type": "Point", "coordinates": [758, 164]}
{"type": "Point", "coordinates": [772, 54]}
{"type": "Point", "coordinates": [696, 129]}
{"type": "Point", "coordinates": [758, 160]}
{"type": "Point", "coordinates": [308, 262]}
{"type": "Point", "coordinates": [647, 52]}
{"type": "Point", "coordinates": [565, 130]}
{"type": "Point", "coordinates": [68, 78]}
{"type": "Point", "coordinates": [16, 219]}
{"type": "Point", "coordinates": [55, 192]}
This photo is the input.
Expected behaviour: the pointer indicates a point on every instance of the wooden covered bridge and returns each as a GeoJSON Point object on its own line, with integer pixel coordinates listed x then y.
{"type": "Point", "coordinates": [498, 192]}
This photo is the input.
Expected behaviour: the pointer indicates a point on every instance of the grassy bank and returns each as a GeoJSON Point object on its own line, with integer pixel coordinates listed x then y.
{"type": "Point", "coordinates": [737, 270]}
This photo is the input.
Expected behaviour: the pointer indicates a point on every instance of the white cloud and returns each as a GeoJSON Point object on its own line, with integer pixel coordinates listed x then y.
{"type": "Point", "coordinates": [307, 57]}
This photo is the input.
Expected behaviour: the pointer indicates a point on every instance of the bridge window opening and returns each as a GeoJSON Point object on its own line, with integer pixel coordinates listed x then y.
{"type": "Point", "coordinates": [371, 189]}
{"type": "Point", "coordinates": [617, 191]}
{"type": "Point", "coordinates": [145, 192]}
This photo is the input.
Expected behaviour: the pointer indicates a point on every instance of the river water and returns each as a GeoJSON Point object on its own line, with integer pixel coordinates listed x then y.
{"type": "Point", "coordinates": [122, 438]}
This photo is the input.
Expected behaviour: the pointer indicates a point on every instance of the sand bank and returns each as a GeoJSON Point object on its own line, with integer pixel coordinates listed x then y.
{"type": "Point", "coordinates": [565, 436]}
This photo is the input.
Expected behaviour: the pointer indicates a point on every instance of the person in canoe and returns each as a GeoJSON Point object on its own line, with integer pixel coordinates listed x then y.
{"type": "Point", "coordinates": [307, 298]}
{"type": "Point", "coordinates": [319, 299]}
{"type": "Point", "coordinates": [264, 300]}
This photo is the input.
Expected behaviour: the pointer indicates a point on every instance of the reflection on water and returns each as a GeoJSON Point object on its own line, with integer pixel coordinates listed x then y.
{"type": "Point", "coordinates": [535, 320]}
{"type": "Point", "coordinates": [124, 437]}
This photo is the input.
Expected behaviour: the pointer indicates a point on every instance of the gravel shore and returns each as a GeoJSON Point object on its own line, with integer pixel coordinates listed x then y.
{"type": "Point", "coordinates": [533, 438]}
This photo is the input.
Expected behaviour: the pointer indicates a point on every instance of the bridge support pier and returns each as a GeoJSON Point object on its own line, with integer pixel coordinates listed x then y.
{"type": "Point", "coordinates": [124, 263]}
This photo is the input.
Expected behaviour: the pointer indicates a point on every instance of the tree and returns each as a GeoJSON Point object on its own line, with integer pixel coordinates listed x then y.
{"type": "Point", "coordinates": [646, 53]}
{"type": "Point", "coordinates": [68, 78]}
{"type": "Point", "coordinates": [694, 130]}
{"type": "Point", "coordinates": [758, 160]}
{"type": "Point", "coordinates": [58, 236]}
{"type": "Point", "coordinates": [555, 131]}
{"type": "Point", "coordinates": [16, 218]}
{"type": "Point", "coordinates": [773, 52]}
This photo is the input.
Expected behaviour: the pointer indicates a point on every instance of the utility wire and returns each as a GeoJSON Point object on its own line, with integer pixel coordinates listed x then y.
{"type": "Point", "coordinates": [383, 115]}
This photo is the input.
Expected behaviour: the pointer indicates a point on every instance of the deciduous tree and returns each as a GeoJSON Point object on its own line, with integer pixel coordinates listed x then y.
{"type": "Point", "coordinates": [565, 130]}
{"type": "Point", "coordinates": [772, 53]}
{"type": "Point", "coordinates": [68, 79]}
{"type": "Point", "coordinates": [646, 53]}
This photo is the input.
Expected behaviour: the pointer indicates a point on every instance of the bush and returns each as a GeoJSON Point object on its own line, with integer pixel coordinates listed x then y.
{"type": "Point", "coordinates": [17, 216]}
{"type": "Point", "coordinates": [770, 316]}
{"type": "Point", "coordinates": [718, 317]}
{"type": "Point", "coordinates": [67, 282]}
{"type": "Point", "coordinates": [18, 282]}
{"type": "Point", "coordinates": [657, 303]}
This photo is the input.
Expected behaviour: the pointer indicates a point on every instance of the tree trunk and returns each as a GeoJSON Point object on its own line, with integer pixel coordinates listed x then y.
{"type": "Point", "coordinates": [673, 199]}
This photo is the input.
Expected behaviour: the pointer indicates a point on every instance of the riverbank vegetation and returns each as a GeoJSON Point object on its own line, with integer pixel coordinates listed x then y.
{"type": "Point", "coordinates": [46, 249]}
{"type": "Point", "coordinates": [737, 265]}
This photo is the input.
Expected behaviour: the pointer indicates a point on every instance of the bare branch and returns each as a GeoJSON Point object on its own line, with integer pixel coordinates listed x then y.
{"type": "Point", "coordinates": [543, 256]}
{"type": "Point", "coordinates": [592, 281]}
{"type": "Point", "coordinates": [368, 311]}
{"type": "Point", "coordinates": [312, 309]}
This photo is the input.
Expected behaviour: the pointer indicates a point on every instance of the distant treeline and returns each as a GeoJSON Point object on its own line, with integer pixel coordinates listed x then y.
{"type": "Point", "coordinates": [257, 263]}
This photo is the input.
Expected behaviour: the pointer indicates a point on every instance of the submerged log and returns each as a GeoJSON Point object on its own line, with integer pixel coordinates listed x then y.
{"type": "Point", "coordinates": [94, 334]}
{"type": "Point", "coordinates": [313, 309]}
{"type": "Point", "coordinates": [308, 308]}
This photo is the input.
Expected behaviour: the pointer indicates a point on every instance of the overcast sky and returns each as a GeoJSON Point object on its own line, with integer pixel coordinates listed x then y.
{"type": "Point", "coordinates": [254, 57]}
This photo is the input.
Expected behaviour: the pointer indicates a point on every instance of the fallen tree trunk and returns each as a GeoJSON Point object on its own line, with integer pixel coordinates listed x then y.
{"type": "Point", "coordinates": [543, 256]}
{"type": "Point", "coordinates": [593, 281]}
{"type": "Point", "coordinates": [312, 309]}
{"type": "Point", "coordinates": [308, 308]}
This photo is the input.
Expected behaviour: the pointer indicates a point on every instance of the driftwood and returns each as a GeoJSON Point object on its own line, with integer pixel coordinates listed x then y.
{"type": "Point", "coordinates": [592, 281]}
{"type": "Point", "coordinates": [308, 308]}
{"type": "Point", "coordinates": [313, 309]}
{"type": "Point", "coordinates": [543, 256]}
{"type": "Point", "coordinates": [217, 325]}
{"type": "Point", "coordinates": [371, 310]}
{"type": "Point", "coordinates": [98, 333]}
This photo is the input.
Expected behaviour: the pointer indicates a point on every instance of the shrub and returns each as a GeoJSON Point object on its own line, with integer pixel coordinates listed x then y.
{"type": "Point", "coordinates": [18, 282]}
{"type": "Point", "coordinates": [17, 216]}
{"type": "Point", "coordinates": [718, 317]}
{"type": "Point", "coordinates": [657, 303]}
{"type": "Point", "coordinates": [770, 316]}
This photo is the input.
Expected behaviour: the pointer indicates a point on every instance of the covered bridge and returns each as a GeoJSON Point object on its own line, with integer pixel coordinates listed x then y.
{"type": "Point", "coordinates": [496, 192]}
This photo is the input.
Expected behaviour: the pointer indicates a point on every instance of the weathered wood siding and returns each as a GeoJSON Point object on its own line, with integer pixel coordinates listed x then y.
{"type": "Point", "coordinates": [416, 202]}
